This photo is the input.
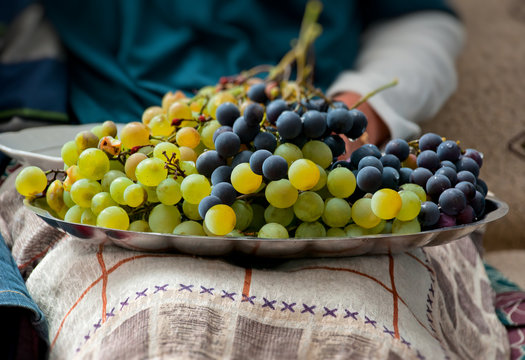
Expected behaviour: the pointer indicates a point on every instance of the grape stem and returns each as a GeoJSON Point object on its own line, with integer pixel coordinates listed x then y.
{"type": "Point", "coordinates": [55, 173]}
{"type": "Point", "coordinates": [374, 92]}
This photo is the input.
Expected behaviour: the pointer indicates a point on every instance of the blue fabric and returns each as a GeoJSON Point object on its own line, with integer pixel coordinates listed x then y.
{"type": "Point", "coordinates": [13, 292]}
{"type": "Point", "coordinates": [126, 54]}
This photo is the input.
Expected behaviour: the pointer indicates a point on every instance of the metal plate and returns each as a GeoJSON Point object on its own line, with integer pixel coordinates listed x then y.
{"type": "Point", "coordinates": [274, 248]}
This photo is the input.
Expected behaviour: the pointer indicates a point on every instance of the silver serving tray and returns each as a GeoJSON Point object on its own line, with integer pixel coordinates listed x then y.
{"type": "Point", "coordinates": [273, 248]}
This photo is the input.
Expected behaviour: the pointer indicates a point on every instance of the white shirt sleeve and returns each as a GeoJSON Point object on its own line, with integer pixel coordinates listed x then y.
{"type": "Point", "coordinates": [419, 50]}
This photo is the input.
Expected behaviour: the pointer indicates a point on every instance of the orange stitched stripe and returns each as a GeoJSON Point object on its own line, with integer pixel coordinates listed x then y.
{"type": "Point", "coordinates": [247, 282]}
{"type": "Point", "coordinates": [420, 261]}
{"type": "Point", "coordinates": [394, 295]}
{"type": "Point", "coordinates": [100, 259]}
{"type": "Point", "coordinates": [37, 256]}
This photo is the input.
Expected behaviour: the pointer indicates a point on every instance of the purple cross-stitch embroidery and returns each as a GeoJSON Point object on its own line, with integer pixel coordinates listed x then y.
{"type": "Point", "coordinates": [403, 341]}
{"type": "Point", "coordinates": [370, 321]}
{"type": "Point", "coordinates": [329, 312]}
{"type": "Point", "coordinates": [353, 315]}
{"type": "Point", "coordinates": [269, 303]}
{"type": "Point", "coordinates": [125, 303]}
{"type": "Point", "coordinates": [288, 306]}
{"type": "Point", "coordinates": [160, 288]}
{"type": "Point", "coordinates": [429, 310]}
{"type": "Point", "coordinates": [429, 300]}
{"type": "Point", "coordinates": [184, 287]}
{"type": "Point", "coordinates": [141, 293]}
{"type": "Point", "coordinates": [206, 290]}
{"type": "Point", "coordinates": [110, 314]}
{"type": "Point", "coordinates": [309, 309]}
{"type": "Point", "coordinates": [419, 356]}
{"type": "Point", "coordinates": [228, 295]}
{"type": "Point", "coordinates": [248, 299]}
{"type": "Point", "coordinates": [87, 337]}
{"type": "Point", "coordinates": [97, 325]}
{"type": "Point", "coordinates": [388, 331]}
{"type": "Point", "coordinates": [431, 289]}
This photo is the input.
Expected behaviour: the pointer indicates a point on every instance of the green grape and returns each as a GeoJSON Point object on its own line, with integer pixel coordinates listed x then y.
{"type": "Point", "coordinates": [113, 217]}
{"type": "Point", "coordinates": [168, 191]}
{"type": "Point", "coordinates": [67, 199]}
{"type": "Point", "coordinates": [109, 128]}
{"type": "Point", "coordinates": [139, 226]}
{"type": "Point", "coordinates": [117, 188]}
{"type": "Point", "coordinates": [135, 195]}
{"type": "Point", "coordinates": [93, 164]}
{"type": "Point", "coordinates": [101, 201]}
{"type": "Point", "coordinates": [337, 212]}
{"type": "Point", "coordinates": [283, 216]}
{"type": "Point", "coordinates": [191, 210]}
{"type": "Point", "coordinates": [165, 151]}
{"type": "Point", "coordinates": [244, 180]}
{"type": "Point", "coordinates": [363, 215]}
{"type": "Point", "coordinates": [207, 131]}
{"type": "Point", "coordinates": [220, 219]}
{"type": "Point", "coordinates": [108, 178]}
{"type": "Point", "coordinates": [83, 191]}
{"type": "Point", "coordinates": [321, 183]}
{"type": "Point", "coordinates": [207, 231]}
{"type": "Point", "coordinates": [31, 181]}
{"type": "Point", "coordinates": [341, 182]}
{"type": "Point", "coordinates": [131, 164]}
{"type": "Point", "coordinates": [335, 232]}
{"type": "Point", "coordinates": [386, 203]}
{"type": "Point", "coordinates": [309, 206]}
{"type": "Point", "coordinates": [151, 172]}
{"type": "Point", "coordinates": [234, 233]}
{"type": "Point", "coordinates": [188, 167]}
{"type": "Point", "coordinates": [354, 230]}
{"type": "Point", "coordinates": [151, 192]}
{"type": "Point", "coordinates": [310, 230]}
{"type": "Point", "coordinates": [303, 174]}
{"type": "Point", "coordinates": [134, 134]}
{"type": "Point", "coordinates": [195, 187]}
{"type": "Point", "coordinates": [318, 152]}
{"type": "Point", "coordinates": [388, 228]}
{"type": "Point", "coordinates": [281, 193]}
{"type": "Point", "coordinates": [410, 205]}
{"type": "Point", "coordinates": [98, 131]}
{"type": "Point", "coordinates": [160, 125]}
{"type": "Point", "coordinates": [69, 153]}
{"type": "Point", "coordinates": [116, 165]}
{"type": "Point", "coordinates": [164, 218]}
{"type": "Point", "coordinates": [289, 152]}
{"type": "Point", "coordinates": [257, 218]}
{"type": "Point", "coordinates": [189, 227]}
{"type": "Point", "coordinates": [85, 140]}
{"type": "Point", "coordinates": [88, 217]}
{"type": "Point", "coordinates": [55, 198]}
{"type": "Point", "coordinates": [273, 231]}
{"type": "Point", "coordinates": [378, 229]}
{"type": "Point", "coordinates": [74, 214]}
{"type": "Point", "coordinates": [243, 214]}
{"type": "Point", "coordinates": [405, 227]}
{"type": "Point", "coordinates": [324, 193]}
{"type": "Point", "coordinates": [420, 192]}
{"type": "Point", "coordinates": [188, 136]}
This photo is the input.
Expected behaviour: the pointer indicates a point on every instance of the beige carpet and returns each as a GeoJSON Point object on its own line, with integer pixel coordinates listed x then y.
{"type": "Point", "coordinates": [488, 110]}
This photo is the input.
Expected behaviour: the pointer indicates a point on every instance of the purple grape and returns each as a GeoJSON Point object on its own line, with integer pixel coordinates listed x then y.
{"type": "Point", "coordinates": [466, 216]}
{"type": "Point", "coordinates": [420, 176]}
{"type": "Point", "coordinates": [227, 144]}
{"type": "Point", "coordinates": [208, 161]}
{"type": "Point", "coordinates": [474, 155]}
{"type": "Point", "coordinates": [428, 159]}
{"type": "Point", "coordinates": [314, 124]}
{"type": "Point", "coordinates": [448, 150]}
{"type": "Point", "coordinates": [478, 204]}
{"type": "Point", "coordinates": [449, 173]}
{"type": "Point", "coordinates": [429, 214]}
{"type": "Point", "coordinates": [245, 132]}
{"type": "Point", "coordinates": [289, 125]}
{"type": "Point", "coordinates": [265, 140]}
{"type": "Point", "coordinates": [446, 221]}
{"type": "Point", "coordinates": [398, 148]}
{"type": "Point", "coordinates": [227, 113]}
{"type": "Point", "coordinates": [390, 178]}
{"type": "Point", "coordinates": [225, 192]}
{"type": "Point", "coordinates": [359, 124]}
{"type": "Point", "coordinates": [336, 144]}
{"type": "Point", "coordinates": [257, 93]}
{"type": "Point", "coordinates": [468, 164]}
{"type": "Point", "coordinates": [370, 161]}
{"type": "Point", "coordinates": [452, 201]}
{"type": "Point", "coordinates": [339, 121]}
{"type": "Point", "coordinates": [275, 167]}
{"type": "Point", "coordinates": [242, 157]}
{"type": "Point", "coordinates": [221, 130]}
{"type": "Point", "coordinates": [449, 164]}
{"type": "Point", "coordinates": [361, 152]}
{"type": "Point", "coordinates": [221, 174]}
{"type": "Point", "coordinates": [257, 159]}
{"type": "Point", "coordinates": [391, 160]}
{"type": "Point", "coordinates": [404, 175]}
{"type": "Point", "coordinates": [253, 114]}
{"type": "Point", "coordinates": [206, 203]}
{"type": "Point", "coordinates": [274, 109]}
{"type": "Point", "coordinates": [429, 141]}
{"type": "Point", "coordinates": [466, 176]}
{"type": "Point", "coordinates": [436, 185]}
{"type": "Point", "coordinates": [369, 179]}
{"type": "Point", "coordinates": [468, 189]}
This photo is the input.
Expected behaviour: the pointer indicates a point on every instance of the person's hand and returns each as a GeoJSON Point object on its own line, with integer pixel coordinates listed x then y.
{"type": "Point", "coordinates": [377, 132]}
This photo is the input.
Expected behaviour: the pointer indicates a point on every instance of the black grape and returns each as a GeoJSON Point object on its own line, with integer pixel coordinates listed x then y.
{"type": "Point", "coordinates": [208, 161]}
{"type": "Point", "coordinates": [253, 114]}
{"type": "Point", "coordinates": [369, 179]}
{"type": "Point", "coordinates": [314, 124]}
{"type": "Point", "coordinates": [429, 141]}
{"type": "Point", "coordinates": [224, 191]}
{"type": "Point", "coordinates": [227, 113]}
{"type": "Point", "coordinates": [206, 203]}
{"type": "Point", "coordinates": [265, 140]}
{"type": "Point", "coordinates": [257, 159]}
{"type": "Point", "coordinates": [274, 109]}
{"type": "Point", "coordinates": [339, 121]}
{"type": "Point", "coordinates": [246, 133]}
{"type": "Point", "coordinates": [398, 148]}
{"type": "Point", "coordinates": [275, 167]}
{"type": "Point", "coordinates": [289, 124]}
{"type": "Point", "coordinates": [257, 93]}
{"type": "Point", "coordinates": [227, 144]}
{"type": "Point", "coordinates": [452, 201]}
{"type": "Point", "coordinates": [221, 174]}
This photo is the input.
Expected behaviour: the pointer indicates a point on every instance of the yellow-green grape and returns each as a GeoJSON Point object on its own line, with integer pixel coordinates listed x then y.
{"type": "Point", "coordinates": [187, 154]}
{"type": "Point", "coordinates": [131, 164]}
{"type": "Point", "coordinates": [113, 217]}
{"type": "Point", "coordinates": [134, 134]}
{"type": "Point", "coordinates": [290, 152]}
{"type": "Point", "coordinates": [188, 167]}
{"type": "Point", "coordinates": [335, 232]}
{"type": "Point", "coordinates": [139, 226]}
{"type": "Point", "coordinates": [73, 174]}
{"type": "Point", "coordinates": [244, 180]}
{"type": "Point", "coordinates": [324, 193]}
{"type": "Point", "coordinates": [170, 97]}
{"type": "Point", "coordinates": [220, 219]}
{"type": "Point", "coordinates": [283, 216]}
{"type": "Point", "coordinates": [415, 188]}
{"type": "Point", "coordinates": [310, 230]}
{"type": "Point", "coordinates": [108, 178]}
{"type": "Point", "coordinates": [164, 218]}
{"type": "Point", "coordinates": [191, 210]}
{"type": "Point", "coordinates": [83, 191]}
{"type": "Point", "coordinates": [405, 227]}
{"type": "Point", "coordinates": [31, 181]}
{"type": "Point", "coordinates": [321, 183]}
{"type": "Point", "coordinates": [160, 125]}
{"type": "Point", "coordinates": [386, 203]}
{"type": "Point", "coordinates": [109, 128]}
{"type": "Point", "coordinates": [55, 197]}
{"type": "Point", "coordinates": [74, 214]}
{"type": "Point", "coordinates": [337, 212]}
{"type": "Point", "coordinates": [85, 140]}
{"type": "Point", "coordinates": [195, 187]}
{"type": "Point", "coordinates": [69, 153]}
{"type": "Point", "coordinates": [101, 201]}
{"type": "Point", "coordinates": [88, 217]}
{"type": "Point", "coordinates": [354, 230]}
{"type": "Point", "coordinates": [151, 171]}
{"type": "Point", "coordinates": [165, 151]}
{"type": "Point", "coordinates": [257, 218]}
{"type": "Point", "coordinates": [66, 195]}
{"type": "Point", "coordinates": [234, 233]}
{"type": "Point", "coordinates": [378, 228]}
{"type": "Point", "coordinates": [189, 227]}
{"type": "Point", "coordinates": [135, 195]}
{"type": "Point", "coordinates": [281, 193]}
{"type": "Point", "coordinates": [318, 152]}
{"type": "Point", "coordinates": [98, 131]}
{"type": "Point", "coordinates": [363, 215]}
{"type": "Point", "coordinates": [303, 174]}
{"type": "Point", "coordinates": [410, 205]}
{"type": "Point", "coordinates": [218, 99]}
{"type": "Point", "coordinates": [93, 164]}
{"type": "Point", "coordinates": [188, 136]}
{"type": "Point", "coordinates": [179, 110]}
{"type": "Point", "coordinates": [207, 131]}
{"type": "Point", "coordinates": [168, 191]}
{"type": "Point", "coordinates": [388, 228]}
{"type": "Point", "coordinates": [243, 214]}
{"type": "Point", "coordinates": [116, 165]}
{"type": "Point", "coordinates": [341, 182]}
{"type": "Point", "coordinates": [273, 231]}
{"type": "Point", "coordinates": [151, 192]}
{"type": "Point", "coordinates": [309, 206]}
{"type": "Point", "coordinates": [117, 188]}
{"type": "Point", "coordinates": [150, 113]}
